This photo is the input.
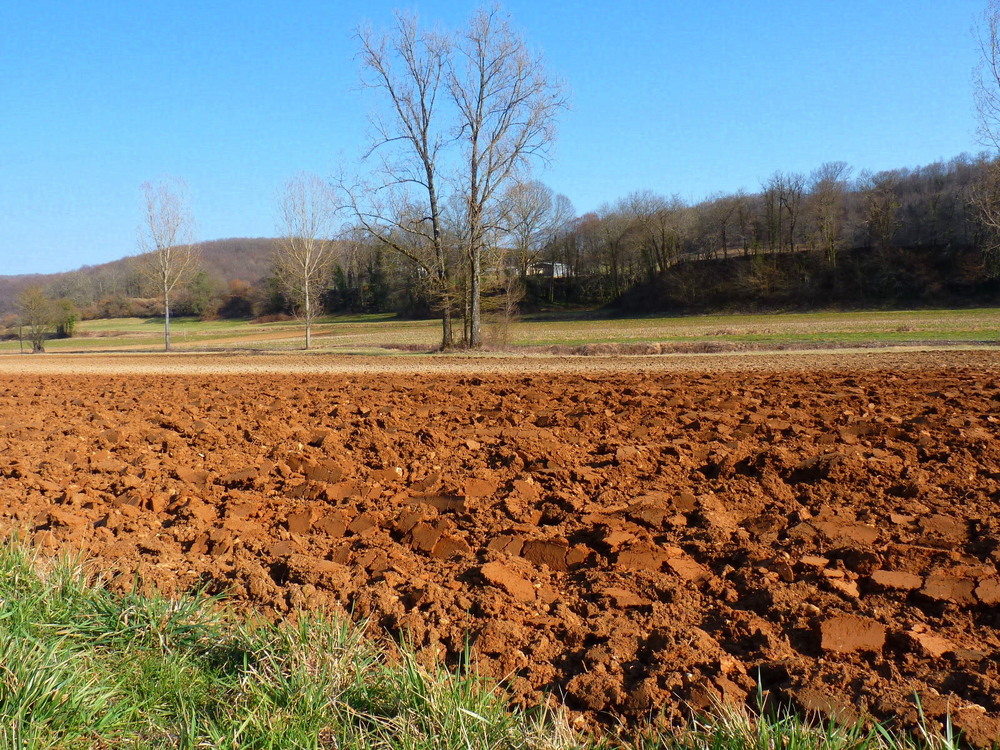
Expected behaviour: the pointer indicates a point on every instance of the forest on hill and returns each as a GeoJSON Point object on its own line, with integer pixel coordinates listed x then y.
{"type": "Point", "coordinates": [102, 290]}
{"type": "Point", "coordinates": [905, 237]}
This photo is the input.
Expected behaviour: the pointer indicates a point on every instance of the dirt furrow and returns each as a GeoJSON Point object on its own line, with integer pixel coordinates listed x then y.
{"type": "Point", "coordinates": [625, 541]}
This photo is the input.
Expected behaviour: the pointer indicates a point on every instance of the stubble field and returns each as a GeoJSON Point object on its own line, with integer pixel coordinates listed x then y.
{"type": "Point", "coordinates": [545, 332]}
{"type": "Point", "coordinates": [623, 535]}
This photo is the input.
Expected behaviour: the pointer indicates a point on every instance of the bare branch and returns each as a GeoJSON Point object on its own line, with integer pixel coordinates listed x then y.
{"type": "Point", "coordinates": [987, 90]}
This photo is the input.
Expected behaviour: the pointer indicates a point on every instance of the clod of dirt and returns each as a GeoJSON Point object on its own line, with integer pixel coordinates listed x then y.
{"type": "Point", "coordinates": [846, 633]}
{"type": "Point", "coordinates": [500, 575]}
{"type": "Point", "coordinates": [897, 580]}
{"type": "Point", "coordinates": [930, 644]}
{"type": "Point", "coordinates": [988, 591]}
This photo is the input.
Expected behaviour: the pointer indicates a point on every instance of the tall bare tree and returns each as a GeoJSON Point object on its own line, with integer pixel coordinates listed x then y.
{"type": "Point", "coordinates": [986, 192]}
{"type": "Point", "coordinates": [169, 256]}
{"type": "Point", "coordinates": [407, 66]}
{"type": "Point", "coordinates": [305, 254]}
{"type": "Point", "coordinates": [497, 113]}
{"type": "Point", "coordinates": [507, 104]}
{"type": "Point", "coordinates": [987, 88]}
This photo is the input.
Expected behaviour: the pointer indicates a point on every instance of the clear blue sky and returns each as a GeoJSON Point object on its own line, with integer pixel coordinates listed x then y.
{"type": "Point", "coordinates": [674, 96]}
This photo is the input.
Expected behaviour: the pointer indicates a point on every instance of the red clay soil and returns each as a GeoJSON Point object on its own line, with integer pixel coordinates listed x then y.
{"type": "Point", "coordinates": [625, 542]}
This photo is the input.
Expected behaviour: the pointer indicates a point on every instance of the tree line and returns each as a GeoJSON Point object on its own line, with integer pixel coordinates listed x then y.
{"type": "Point", "coordinates": [828, 223]}
{"type": "Point", "coordinates": [549, 256]}
{"type": "Point", "coordinates": [822, 215]}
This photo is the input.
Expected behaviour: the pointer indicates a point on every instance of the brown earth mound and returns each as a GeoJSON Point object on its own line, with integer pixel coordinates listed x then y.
{"type": "Point", "coordinates": [624, 542]}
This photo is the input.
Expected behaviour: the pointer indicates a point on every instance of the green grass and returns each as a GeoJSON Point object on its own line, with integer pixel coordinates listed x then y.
{"type": "Point", "coordinates": [840, 328]}
{"type": "Point", "coordinates": [81, 667]}
{"type": "Point", "coordinates": [364, 333]}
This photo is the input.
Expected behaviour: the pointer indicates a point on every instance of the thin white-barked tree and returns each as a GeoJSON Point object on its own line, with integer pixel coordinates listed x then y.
{"type": "Point", "coordinates": [169, 256]}
{"type": "Point", "coordinates": [305, 255]}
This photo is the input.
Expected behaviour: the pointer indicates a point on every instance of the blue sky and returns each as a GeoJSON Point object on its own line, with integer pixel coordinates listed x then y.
{"type": "Point", "coordinates": [677, 97]}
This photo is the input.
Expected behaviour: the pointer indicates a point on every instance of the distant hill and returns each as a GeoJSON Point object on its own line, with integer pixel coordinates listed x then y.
{"type": "Point", "coordinates": [11, 286]}
{"type": "Point", "coordinates": [246, 259]}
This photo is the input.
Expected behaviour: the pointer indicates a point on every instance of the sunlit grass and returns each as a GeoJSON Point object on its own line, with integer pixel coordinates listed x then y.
{"type": "Point", "coordinates": [85, 668]}
{"type": "Point", "coordinates": [358, 333]}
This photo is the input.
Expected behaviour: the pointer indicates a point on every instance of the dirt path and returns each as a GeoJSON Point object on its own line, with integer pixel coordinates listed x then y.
{"type": "Point", "coordinates": [630, 534]}
{"type": "Point", "coordinates": [210, 363]}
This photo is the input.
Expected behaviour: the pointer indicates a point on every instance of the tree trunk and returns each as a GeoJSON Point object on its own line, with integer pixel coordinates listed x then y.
{"type": "Point", "coordinates": [166, 321]}
{"type": "Point", "coordinates": [466, 316]}
{"type": "Point", "coordinates": [447, 328]}
{"type": "Point", "coordinates": [308, 311]}
{"type": "Point", "coordinates": [475, 291]}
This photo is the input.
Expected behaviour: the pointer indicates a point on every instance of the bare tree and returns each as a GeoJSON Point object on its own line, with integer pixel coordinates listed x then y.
{"type": "Point", "coordinates": [792, 190]}
{"type": "Point", "coordinates": [532, 216]}
{"type": "Point", "coordinates": [782, 197]}
{"type": "Point", "coordinates": [506, 310]}
{"type": "Point", "coordinates": [719, 220]}
{"type": "Point", "coordinates": [407, 66]}
{"type": "Point", "coordinates": [662, 226]}
{"type": "Point", "coordinates": [502, 115]}
{"type": "Point", "coordinates": [507, 105]}
{"type": "Point", "coordinates": [165, 237]}
{"type": "Point", "coordinates": [985, 196]}
{"type": "Point", "coordinates": [827, 196]}
{"type": "Point", "coordinates": [881, 207]}
{"type": "Point", "coordinates": [305, 254]}
{"type": "Point", "coordinates": [37, 313]}
{"type": "Point", "coordinates": [987, 84]}
{"type": "Point", "coordinates": [772, 215]}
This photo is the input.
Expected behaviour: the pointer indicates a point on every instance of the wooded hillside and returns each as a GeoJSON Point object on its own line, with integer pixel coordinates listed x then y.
{"type": "Point", "coordinates": [222, 261]}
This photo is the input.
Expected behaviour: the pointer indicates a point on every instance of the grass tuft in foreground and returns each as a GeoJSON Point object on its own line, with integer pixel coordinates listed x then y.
{"type": "Point", "coordinates": [734, 729]}
{"type": "Point", "coordinates": [81, 667]}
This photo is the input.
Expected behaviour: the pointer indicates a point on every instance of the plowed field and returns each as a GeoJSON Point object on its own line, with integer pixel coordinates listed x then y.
{"type": "Point", "coordinates": [624, 539]}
